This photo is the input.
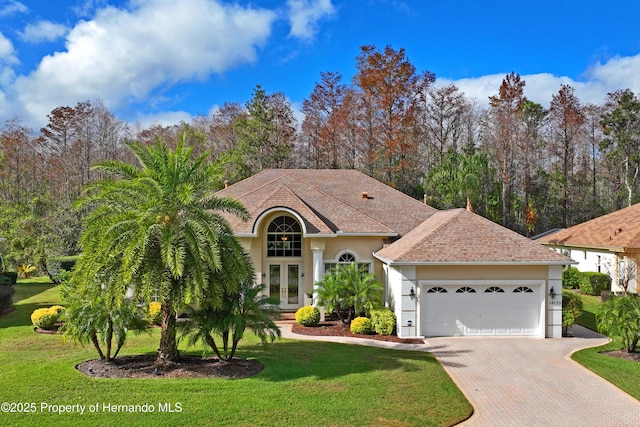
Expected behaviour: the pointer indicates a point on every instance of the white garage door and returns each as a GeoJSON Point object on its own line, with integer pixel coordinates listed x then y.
{"type": "Point", "coordinates": [488, 309]}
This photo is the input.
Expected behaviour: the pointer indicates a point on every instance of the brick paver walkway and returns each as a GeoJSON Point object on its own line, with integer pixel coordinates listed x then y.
{"type": "Point", "coordinates": [524, 381]}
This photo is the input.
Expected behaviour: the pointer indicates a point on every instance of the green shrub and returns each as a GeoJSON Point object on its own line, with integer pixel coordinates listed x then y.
{"type": "Point", "coordinates": [6, 294]}
{"type": "Point", "coordinates": [572, 307]}
{"type": "Point", "coordinates": [361, 325]}
{"type": "Point", "coordinates": [44, 318]}
{"type": "Point", "coordinates": [153, 313]}
{"type": "Point", "coordinates": [59, 268]}
{"type": "Point", "coordinates": [383, 321]}
{"type": "Point", "coordinates": [59, 310]}
{"type": "Point", "coordinates": [619, 317]}
{"type": "Point", "coordinates": [571, 278]}
{"type": "Point", "coordinates": [308, 316]}
{"type": "Point", "coordinates": [8, 277]}
{"type": "Point", "coordinates": [594, 283]}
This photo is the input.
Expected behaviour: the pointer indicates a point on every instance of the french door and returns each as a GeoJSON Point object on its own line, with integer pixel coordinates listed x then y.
{"type": "Point", "coordinates": [284, 284]}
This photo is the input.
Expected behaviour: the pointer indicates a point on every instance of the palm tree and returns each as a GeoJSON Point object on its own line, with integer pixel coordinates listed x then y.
{"type": "Point", "coordinates": [240, 310]}
{"type": "Point", "coordinates": [157, 228]}
{"type": "Point", "coordinates": [97, 319]}
{"type": "Point", "coordinates": [349, 288]}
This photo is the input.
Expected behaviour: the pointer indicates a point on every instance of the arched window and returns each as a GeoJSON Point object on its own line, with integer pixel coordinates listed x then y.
{"type": "Point", "coordinates": [465, 290]}
{"type": "Point", "coordinates": [522, 289]}
{"type": "Point", "coordinates": [437, 290]}
{"type": "Point", "coordinates": [494, 289]}
{"type": "Point", "coordinates": [284, 237]}
{"type": "Point", "coordinates": [346, 258]}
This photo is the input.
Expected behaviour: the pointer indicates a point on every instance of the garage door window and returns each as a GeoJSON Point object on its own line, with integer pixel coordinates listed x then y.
{"type": "Point", "coordinates": [522, 289]}
{"type": "Point", "coordinates": [494, 289]}
{"type": "Point", "coordinates": [466, 290]}
{"type": "Point", "coordinates": [437, 290]}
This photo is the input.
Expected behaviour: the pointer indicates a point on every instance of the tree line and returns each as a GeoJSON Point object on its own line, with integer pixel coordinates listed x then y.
{"type": "Point", "coordinates": [522, 165]}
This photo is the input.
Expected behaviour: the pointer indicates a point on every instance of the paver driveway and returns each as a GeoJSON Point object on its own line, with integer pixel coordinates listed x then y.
{"type": "Point", "coordinates": [533, 382]}
{"type": "Point", "coordinates": [524, 381]}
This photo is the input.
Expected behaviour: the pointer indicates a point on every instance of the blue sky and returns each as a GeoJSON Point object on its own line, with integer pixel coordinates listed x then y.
{"type": "Point", "coordinates": [166, 60]}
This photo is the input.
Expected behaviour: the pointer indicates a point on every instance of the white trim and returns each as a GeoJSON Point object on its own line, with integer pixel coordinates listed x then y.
{"type": "Point", "coordinates": [474, 263]}
{"type": "Point", "coordinates": [263, 215]}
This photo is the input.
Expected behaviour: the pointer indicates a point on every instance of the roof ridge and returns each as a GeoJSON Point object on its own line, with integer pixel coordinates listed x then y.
{"type": "Point", "coordinates": [340, 201]}
{"type": "Point", "coordinates": [444, 221]}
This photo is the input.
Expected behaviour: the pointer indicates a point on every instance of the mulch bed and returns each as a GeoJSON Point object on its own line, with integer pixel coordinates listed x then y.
{"type": "Point", "coordinates": [337, 328]}
{"type": "Point", "coordinates": [623, 355]}
{"type": "Point", "coordinates": [145, 366]}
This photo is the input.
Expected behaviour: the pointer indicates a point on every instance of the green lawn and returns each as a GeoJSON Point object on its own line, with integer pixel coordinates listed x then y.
{"type": "Point", "coordinates": [625, 374]}
{"type": "Point", "coordinates": [303, 383]}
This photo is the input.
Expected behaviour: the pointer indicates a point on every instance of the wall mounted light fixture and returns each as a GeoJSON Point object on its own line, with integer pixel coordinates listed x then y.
{"type": "Point", "coordinates": [412, 293]}
{"type": "Point", "coordinates": [552, 293]}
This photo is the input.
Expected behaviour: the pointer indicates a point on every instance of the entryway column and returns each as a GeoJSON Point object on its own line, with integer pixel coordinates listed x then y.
{"type": "Point", "coordinates": [317, 248]}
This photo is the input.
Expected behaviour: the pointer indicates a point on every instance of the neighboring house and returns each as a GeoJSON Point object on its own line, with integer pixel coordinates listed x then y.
{"type": "Point", "coordinates": [608, 244]}
{"type": "Point", "coordinates": [445, 272]}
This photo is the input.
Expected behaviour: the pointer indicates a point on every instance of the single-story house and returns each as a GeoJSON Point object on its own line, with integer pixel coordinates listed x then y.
{"type": "Point", "coordinates": [608, 244]}
{"type": "Point", "coordinates": [444, 272]}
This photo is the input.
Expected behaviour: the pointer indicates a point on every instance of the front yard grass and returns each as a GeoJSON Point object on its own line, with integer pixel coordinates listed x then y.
{"type": "Point", "coordinates": [303, 383]}
{"type": "Point", "coordinates": [624, 374]}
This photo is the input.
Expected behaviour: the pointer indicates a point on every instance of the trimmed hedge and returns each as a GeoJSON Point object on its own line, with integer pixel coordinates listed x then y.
{"type": "Point", "coordinates": [44, 318]}
{"type": "Point", "coordinates": [571, 278]}
{"type": "Point", "coordinates": [308, 316]}
{"type": "Point", "coordinates": [572, 308]}
{"type": "Point", "coordinates": [6, 294]}
{"type": "Point", "coordinates": [8, 277]}
{"type": "Point", "coordinates": [383, 321]}
{"type": "Point", "coordinates": [361, 325]}
{"type": "Point", "coordinates": [59, 267]}
{"type": "Point", "coordinates": [594, 283]}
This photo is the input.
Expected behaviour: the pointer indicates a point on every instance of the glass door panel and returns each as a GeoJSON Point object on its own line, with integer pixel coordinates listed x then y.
{"type": "Point", "coordinates": [274, 281]}
{"type": "Point", "coordinates": [293, 284]}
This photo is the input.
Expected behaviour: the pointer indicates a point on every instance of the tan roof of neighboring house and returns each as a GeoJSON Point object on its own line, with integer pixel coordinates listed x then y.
{"type": "Point", "coordinates": [330, 201]}
{"type": "Point", "coordinates": [459, 236]}
{"type": "Point", "coordinates": [618, 230]}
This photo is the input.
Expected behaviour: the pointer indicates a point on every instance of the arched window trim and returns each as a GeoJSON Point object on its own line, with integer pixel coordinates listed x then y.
{"type": "Point", "coordinates": [329, 264]}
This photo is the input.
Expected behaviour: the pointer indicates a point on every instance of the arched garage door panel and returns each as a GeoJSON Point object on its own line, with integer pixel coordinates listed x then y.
{"type": "Point", "coordinates": [481, 313]}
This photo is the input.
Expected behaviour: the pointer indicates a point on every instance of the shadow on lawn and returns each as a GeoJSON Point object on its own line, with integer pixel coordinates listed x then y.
{"type": "Point", "coordinates": [288, 360]}
{"type": "Point", "coordinates": [21, 316]}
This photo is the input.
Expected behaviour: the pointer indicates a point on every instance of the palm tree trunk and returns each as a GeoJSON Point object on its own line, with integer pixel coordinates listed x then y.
{"type": "Point", "coordinates": [212, 343]}
{"type": "Point", "coordinates": [168, 350]}
{"type": "Point", "coordinates": [96, 344]}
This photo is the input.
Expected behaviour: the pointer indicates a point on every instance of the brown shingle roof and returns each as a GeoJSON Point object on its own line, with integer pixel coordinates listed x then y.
{"type": "Point", "coordinates": [329, 201]}
{"type": "Point", "coordinates": [459, 236]}
{"type": "Point", "coordinates": [615, 231]}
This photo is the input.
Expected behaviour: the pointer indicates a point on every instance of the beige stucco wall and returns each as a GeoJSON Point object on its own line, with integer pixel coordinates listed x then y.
{"type": "Point", "coordinates": [361, 246]}
{"type": "Point", "coordinates": [482, 272]}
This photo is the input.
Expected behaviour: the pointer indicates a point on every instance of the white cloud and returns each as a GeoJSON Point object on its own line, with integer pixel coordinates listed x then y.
{"type": "Point", "coordinates": [124, 55]}
{"type": "Point", "coordinates": [10, 7]}
{"type": "Point", "coordinates": [167, 118]}
{"type": "Point", "coordinates": [600, 79]}
{"type": "Point", "coordinates": [305, 14]}
{"type": "Point", "coordinates": [42, 31]}
{"type": "Point", "coordinates": [7, 52]}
